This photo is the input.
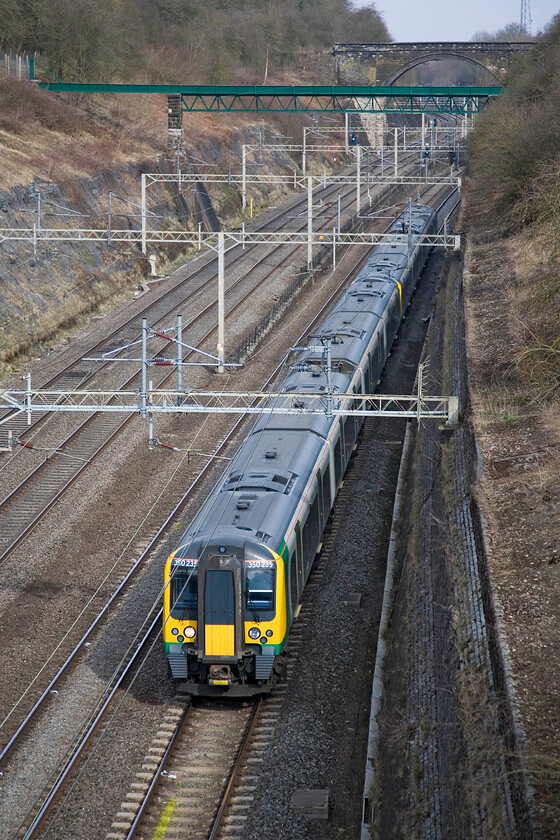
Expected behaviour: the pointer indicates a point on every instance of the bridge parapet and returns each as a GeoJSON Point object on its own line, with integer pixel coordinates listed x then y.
{"type": "Point", "coordinates": [383, 63]}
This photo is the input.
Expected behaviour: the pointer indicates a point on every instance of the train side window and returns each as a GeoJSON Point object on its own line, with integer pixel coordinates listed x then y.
{"type": "Point", "coordinates": [338, 459]}
{"type": "Point", "coordinates": [184, 595]}
{"type": "Point", "coordinates": [326, 483]}
{"type": "Point", "coordinates": [315, 525]}
{"type": "Point", "coordinates": [311, 533]}
{"type": "Point", "coordinates": [367, 378]}
{"type": "Point", "coordinates": [299, 555]}
{"type": "Point", "coordinates": [349, 437]}
{"type": "Point", "coordinates": [293, 580]}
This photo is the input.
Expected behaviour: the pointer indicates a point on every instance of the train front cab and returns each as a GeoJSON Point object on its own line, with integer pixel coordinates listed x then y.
{"type": "Point", "coordinates": [224, 619]}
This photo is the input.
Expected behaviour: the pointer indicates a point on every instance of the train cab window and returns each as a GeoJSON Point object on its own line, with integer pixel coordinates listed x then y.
{"type": "Point", "coordinates": [259, 594]}
{"type": "Point", "coordinates": [184, 595]}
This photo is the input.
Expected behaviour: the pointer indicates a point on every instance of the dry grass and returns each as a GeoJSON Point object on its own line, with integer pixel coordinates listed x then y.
{"type": "Point", "coordinates": [519, 435]}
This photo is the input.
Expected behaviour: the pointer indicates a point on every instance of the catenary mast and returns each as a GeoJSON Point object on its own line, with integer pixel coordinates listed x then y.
{"type": "Point", "coordinates": [526, 19]}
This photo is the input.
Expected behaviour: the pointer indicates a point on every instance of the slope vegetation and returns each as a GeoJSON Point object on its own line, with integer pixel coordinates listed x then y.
{"type": "Point", "coordinates": [512, 289]}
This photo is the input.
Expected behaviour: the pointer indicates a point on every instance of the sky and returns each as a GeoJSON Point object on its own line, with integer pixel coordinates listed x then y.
{"type": "Point", "coordinates": [456, 20]}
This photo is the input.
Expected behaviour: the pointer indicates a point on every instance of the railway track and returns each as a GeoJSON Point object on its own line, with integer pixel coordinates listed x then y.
{"type": "Point", "coordinates": [24, 507]}
{"type": "Point", "coordinates": [182, 501]}
{"type": "Point", "coordinates": [199, 779]}
{"type": "Point", "coordinates": [48, 795]}
{"type": "Point", "coordinates": [190, 790]}
{"type": "Point", "coordinates": [319, 315]}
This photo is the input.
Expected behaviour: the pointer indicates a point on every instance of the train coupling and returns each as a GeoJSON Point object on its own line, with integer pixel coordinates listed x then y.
{"type": "Point", "coordinates": [219, 675]}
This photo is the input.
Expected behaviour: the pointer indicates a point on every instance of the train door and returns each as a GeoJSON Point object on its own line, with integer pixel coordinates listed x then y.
{"type": "Point", "coordinates": [357, 420]}
{"type": "Point", "coordinates": [311, 533]}
{"type": "Point", "coordinates": [364, 379]}
{"type": "Point", "coordinates": [382, 345]}
{"type": "Point", "coordinates": [219, 613]}
{"type": "Point", "coordinates": [349, 437]}
{"type": "Point", "coordinates": [337, 458]}
{"type": "Point", "coordinates": [368, 366]}
{"type": "Point", "coordinates": [293, 579]}
{"type": "Point", "coordinates": [220, 618]}
{"type": "Point", "coordinates": [326, 494]}
{"type": "Point", "coordinates": [296, 568]}
{"type": "Point", "coordinates": [300, 560]}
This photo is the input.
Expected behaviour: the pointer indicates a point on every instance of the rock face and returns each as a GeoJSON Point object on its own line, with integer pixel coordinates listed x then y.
{"type": "Point", "coordinates": [48, 285]}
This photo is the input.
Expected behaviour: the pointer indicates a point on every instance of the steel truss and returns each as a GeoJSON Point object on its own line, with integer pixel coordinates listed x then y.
{"type": "Point", "coordinates": [296, 180]}
{"type": "Point", "coordinates": [148, 401]}
{"type": "Point", "coordinates": [243, 237]}
{"type": "Point", "coordinates": [418, 101]}
{"type": "Point", "coordinates": [306, 98]}
{"type": "Point", "coordinates": [188, 401]}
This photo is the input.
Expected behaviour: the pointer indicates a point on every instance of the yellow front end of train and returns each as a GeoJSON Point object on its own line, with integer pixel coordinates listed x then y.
{"type": "Point", "coordinates": [224, 620]}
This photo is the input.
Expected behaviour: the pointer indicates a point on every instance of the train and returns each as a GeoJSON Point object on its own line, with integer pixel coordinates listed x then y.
{"type": "Point", "coordinates": [234, 584]}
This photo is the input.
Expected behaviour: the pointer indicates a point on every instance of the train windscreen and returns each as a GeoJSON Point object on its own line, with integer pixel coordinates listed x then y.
{"type": "Point", "coordinates": [259, 594]}
{"type": "Point", "coordinates": [184, 595]}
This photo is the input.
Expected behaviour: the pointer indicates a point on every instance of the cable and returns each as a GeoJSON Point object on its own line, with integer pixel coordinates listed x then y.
{"type": "Point", "coordinates": [92, 597]}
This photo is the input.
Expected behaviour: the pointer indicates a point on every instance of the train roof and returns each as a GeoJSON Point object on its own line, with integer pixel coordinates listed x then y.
{"type": "Point", "coordinates": [313, 380]}
{"type": "Point", "coordinates": [367, 294]}
{"type": "Point", "coordinates": [417, 214]}
{"type": "Point", "coordinates": [262, 489]}
{"type": "Point", "coordinates": [392, 256]}
{"type": "Point", "coordinates": [260, 492]}
{"type": "Point", "coordinates": [351, 329]}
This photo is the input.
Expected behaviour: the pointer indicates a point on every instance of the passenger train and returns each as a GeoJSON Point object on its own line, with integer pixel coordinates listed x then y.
{"type": "Point", "coordinates": [234, 584]}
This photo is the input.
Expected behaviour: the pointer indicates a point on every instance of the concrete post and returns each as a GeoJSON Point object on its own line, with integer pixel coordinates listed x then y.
{"type": "Point", "coordinates": [221, 301]}
{"type": "Point", "coordinates": [174, 121]}
{"type": "Point", "coordinates": [143, 395]}
{"type": "Point", "coordinates": [243, 176]}
{"type": "Point", "coordinates": [143, 211]}
{"type": "Point", "coordinates": [309, 223]}
{"type": "Point", "coordinates": [358, 178]}
{"type": "Point", "coordinates": [179, 356]}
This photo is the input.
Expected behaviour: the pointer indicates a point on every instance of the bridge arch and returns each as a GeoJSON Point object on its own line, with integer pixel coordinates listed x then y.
{"type": "Point", "coordinates": [357, 64]}
{"type": "Point", "coordinates": [437, 56]}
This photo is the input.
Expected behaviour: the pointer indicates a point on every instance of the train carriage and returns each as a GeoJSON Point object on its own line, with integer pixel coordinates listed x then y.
{"type": "Point", "coordinates": [234, 583]}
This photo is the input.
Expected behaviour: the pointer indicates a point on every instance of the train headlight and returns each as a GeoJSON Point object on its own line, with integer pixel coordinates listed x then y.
{"type": "Point", "coordinates": [269, 633]}
{"type": "Point", "coordinates": [190, 632]}
{"type": "Point", "coordinates": [175, 631]}
{"type": "Point", "coordinates": [254, 633]}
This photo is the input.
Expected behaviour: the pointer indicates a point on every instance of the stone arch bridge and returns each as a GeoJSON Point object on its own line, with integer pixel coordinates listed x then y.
{"type": "Point", "coordinates": [384, 64]}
